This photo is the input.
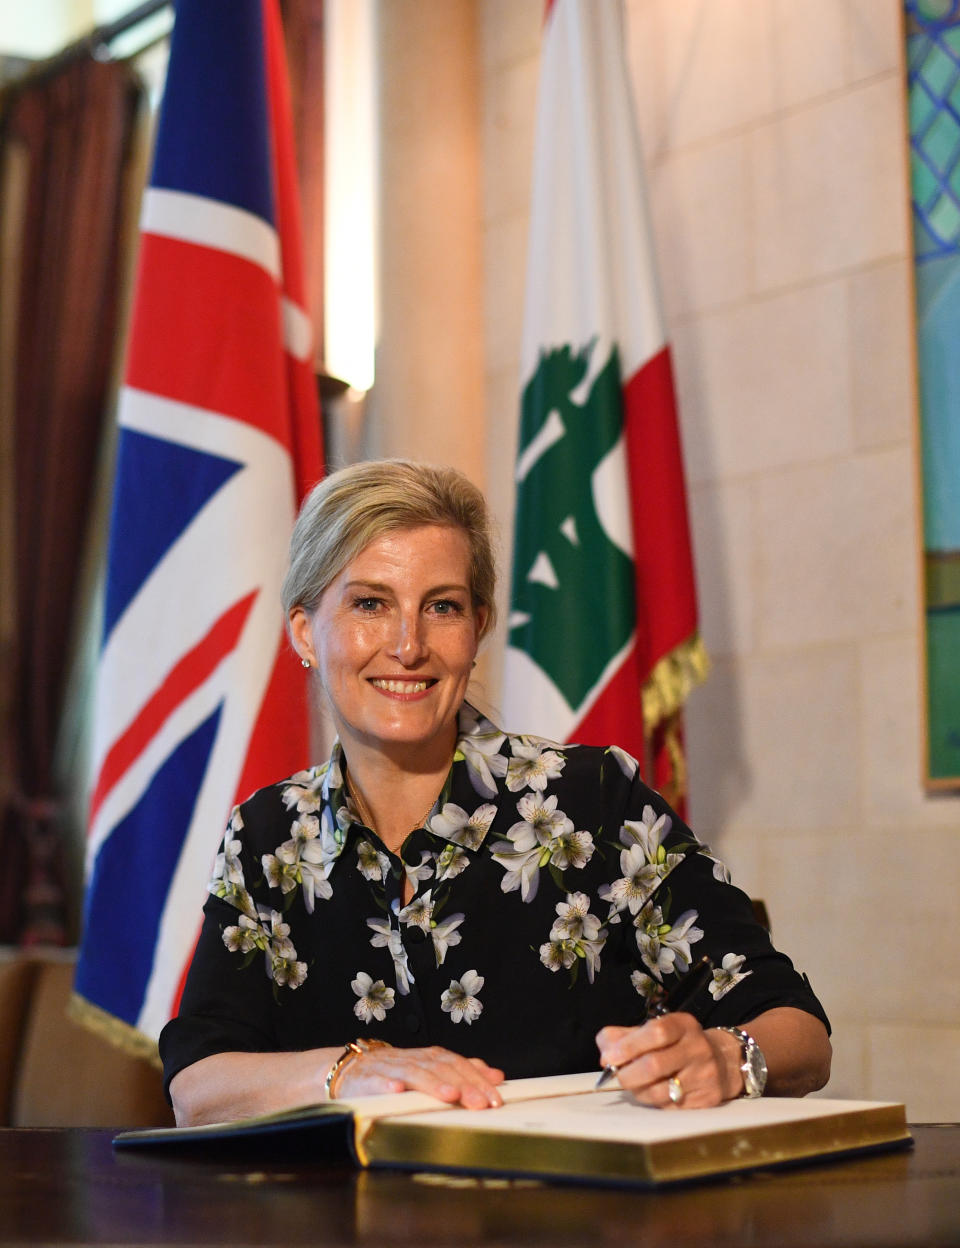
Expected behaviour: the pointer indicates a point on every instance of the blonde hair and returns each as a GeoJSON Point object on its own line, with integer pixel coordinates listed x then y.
{"type": "Point", "coordinates": [352, 507]}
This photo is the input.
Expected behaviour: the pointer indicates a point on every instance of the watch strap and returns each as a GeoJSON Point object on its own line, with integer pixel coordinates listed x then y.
{"type": "Point", "coordinates": [753, 1065]}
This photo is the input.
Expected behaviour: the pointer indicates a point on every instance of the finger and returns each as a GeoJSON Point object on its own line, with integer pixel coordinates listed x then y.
{"type": "Point", "coordinates": [683, 1076]}
{"type": "Point", "coordinates": [684, 1090]}
{"type": "Point", "coordinates": [619, 1045]}
{"type": "Point", "coordinates": [469, 1080]}
{"type": "Point", "coordinates": [646, 1057]}
{"type": "Point", "coordinates": [657, 1095]}
{"type": "Point", "coordinates": [434, 1071]}
{"type": "Point", "coordinates": [648, 1074]}
{"type": "Point", "coordinates": [493, 1074]}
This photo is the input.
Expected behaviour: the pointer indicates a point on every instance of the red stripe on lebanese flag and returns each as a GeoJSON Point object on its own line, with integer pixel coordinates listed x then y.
{"type": "Point", "coordinates": [662, 553]}
{"type": "Point", "coordinates": [662, 557]}
{"type": "Point", "coordinates": [613, 717]}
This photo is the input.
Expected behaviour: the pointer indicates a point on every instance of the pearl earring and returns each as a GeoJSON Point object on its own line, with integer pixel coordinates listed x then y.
{"type": "Point", "coordinates": [305, 663]}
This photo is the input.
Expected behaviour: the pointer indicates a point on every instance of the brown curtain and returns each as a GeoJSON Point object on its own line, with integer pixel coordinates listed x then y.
{"type": "Point", "coordinates": [66, 148]}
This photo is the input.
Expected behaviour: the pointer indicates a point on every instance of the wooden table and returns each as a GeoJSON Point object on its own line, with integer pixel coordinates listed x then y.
{"type": "Point", "coordinates": [69, 1187]}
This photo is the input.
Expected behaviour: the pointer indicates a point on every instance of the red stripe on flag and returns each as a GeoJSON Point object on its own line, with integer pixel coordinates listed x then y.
{"type": "Point", "coordinates": [666, 597]}
{"type": "Point", "coordinates": [175, 1004]}
{"type": "Point", "coordinates": [304, 435]}
{"type": "Point", "coordinates": [279, 742]}
{"type": "Point", "coordinates": [187, 675]}
{"type": "Point", "coordinates": [616, 715]}
{"type": "Point", "coordinates": [215, 338]}
{"type": "Point", "coordinates": [286, 205]}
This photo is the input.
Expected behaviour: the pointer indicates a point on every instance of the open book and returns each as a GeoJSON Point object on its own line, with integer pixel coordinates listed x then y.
{"type": "Point", "coordinates": [561, 1127]}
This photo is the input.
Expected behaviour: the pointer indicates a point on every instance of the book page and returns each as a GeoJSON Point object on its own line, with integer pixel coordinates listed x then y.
{"type": "Point", "coordinates": [390, 1105]}
{"type": "Point", "coordinates": [612, 1114]}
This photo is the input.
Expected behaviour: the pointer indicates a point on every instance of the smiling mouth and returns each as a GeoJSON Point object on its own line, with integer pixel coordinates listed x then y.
{"type": "Point", "coordinates": [402, 686]}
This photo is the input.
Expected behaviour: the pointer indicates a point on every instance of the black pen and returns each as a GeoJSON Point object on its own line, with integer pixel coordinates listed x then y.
{"type": "Point", "coordinates": [680, 995]}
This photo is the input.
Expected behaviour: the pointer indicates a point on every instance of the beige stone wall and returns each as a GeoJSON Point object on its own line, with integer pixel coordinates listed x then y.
{"type": "Point", "coordinates": [428, 399]}
{"type": "Point", "coordinates": [774, 137]}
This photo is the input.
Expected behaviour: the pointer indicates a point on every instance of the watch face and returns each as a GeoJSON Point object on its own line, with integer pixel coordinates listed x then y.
{"type": "Point", "coordinates": [754, 1071]}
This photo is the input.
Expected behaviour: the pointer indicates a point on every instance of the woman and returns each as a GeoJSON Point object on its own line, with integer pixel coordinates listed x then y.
{"type": "Point", "coordinates": [442, 905]}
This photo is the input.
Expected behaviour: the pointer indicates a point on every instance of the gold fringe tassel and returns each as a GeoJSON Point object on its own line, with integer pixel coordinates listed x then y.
{"type": "Point", "coordinates": [118, 1033]}
{"type": "Point", "coordinates": [676, 790]}
{"type": "Point", "coordinates": [673, 678]}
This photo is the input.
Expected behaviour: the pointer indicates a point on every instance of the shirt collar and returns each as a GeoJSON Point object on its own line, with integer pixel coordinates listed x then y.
{"type": "Point", "coordinates": [478, 751]}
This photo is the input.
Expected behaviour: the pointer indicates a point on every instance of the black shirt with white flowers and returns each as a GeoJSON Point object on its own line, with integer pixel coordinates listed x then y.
{"type": "Point", "coordinates": [553, 892]}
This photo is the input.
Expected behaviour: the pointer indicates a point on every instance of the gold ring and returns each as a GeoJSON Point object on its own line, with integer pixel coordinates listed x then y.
{"type": "Point", "coordinates": [675, 1090]}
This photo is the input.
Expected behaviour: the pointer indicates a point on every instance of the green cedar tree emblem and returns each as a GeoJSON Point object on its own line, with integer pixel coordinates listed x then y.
{"type": "Point", "coordinates": [572, 595]}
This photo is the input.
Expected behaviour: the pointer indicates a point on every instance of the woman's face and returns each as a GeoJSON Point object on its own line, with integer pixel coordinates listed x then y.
{"type": "Point", "coordinates": [394, 638]}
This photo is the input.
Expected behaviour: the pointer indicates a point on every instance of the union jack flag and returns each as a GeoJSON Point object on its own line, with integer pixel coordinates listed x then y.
{"type": "Point", "coordinates": [199, 699]}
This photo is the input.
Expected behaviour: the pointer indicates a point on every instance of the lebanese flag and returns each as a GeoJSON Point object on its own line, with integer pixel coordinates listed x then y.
{"type": "Point", "coordinates": [603, 643]}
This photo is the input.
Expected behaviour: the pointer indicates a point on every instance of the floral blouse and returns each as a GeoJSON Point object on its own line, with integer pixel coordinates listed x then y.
{"type": "Point", "coordinates": [553, 893]}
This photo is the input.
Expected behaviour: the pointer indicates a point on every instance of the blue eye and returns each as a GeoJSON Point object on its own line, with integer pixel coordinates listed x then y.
{"type": "Point", "coordinates": [447, 607]}
{"type": "Point", "coordinates": [366, 604]}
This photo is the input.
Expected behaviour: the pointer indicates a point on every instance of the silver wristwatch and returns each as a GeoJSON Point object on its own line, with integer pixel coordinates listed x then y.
{"type": "Point", "coordinates": [753, 1065]}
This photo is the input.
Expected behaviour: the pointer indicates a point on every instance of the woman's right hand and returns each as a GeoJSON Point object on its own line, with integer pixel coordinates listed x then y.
{"type": "Point", "coordinates": [467, 1081]}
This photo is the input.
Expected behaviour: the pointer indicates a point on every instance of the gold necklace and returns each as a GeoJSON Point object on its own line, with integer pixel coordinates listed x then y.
{"type": "Point", "coordinates": [364, 812]}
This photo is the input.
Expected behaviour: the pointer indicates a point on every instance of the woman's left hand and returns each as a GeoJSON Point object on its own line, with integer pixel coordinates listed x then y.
{"type": "Point", "coordinates": [673, 1051]}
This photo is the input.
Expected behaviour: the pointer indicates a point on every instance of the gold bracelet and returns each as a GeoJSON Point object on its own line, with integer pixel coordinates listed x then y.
{"type": "Point", "coordinates": [353, 1049]}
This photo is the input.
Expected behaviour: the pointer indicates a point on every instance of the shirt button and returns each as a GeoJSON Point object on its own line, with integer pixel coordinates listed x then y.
{"type": "Point", "coordinates": [413, 1023]}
